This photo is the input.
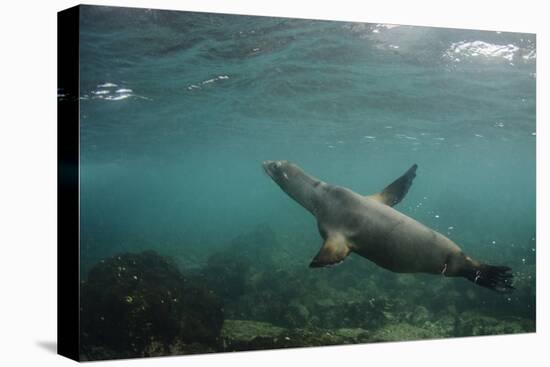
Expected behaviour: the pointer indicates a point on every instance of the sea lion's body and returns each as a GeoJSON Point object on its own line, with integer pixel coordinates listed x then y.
{"type": "Point", "coordinates": [384, 235]}
{"type": "Point", "coordinates": [370, 227]}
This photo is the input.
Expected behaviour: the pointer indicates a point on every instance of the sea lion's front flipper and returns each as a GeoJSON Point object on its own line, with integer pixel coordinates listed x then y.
{"type": "Point", "coordinates": [396, 191]}
{"type": "Point", "coordinates": [333, 251]}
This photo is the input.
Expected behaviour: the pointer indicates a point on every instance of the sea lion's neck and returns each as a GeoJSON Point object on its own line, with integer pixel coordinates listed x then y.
{"type": "Point", "coordinates": [304, 189]}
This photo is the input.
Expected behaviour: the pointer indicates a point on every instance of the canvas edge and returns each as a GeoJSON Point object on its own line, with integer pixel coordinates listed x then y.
{"type": "Point", "coordinates": [68, 218]}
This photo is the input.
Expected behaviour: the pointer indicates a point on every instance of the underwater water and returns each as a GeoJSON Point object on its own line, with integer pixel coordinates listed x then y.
{"type": "Point", "coordinates": [177, 112]}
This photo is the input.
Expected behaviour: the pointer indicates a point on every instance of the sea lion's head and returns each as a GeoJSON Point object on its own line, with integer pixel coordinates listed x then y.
{"type": "Point", "coordinates": [293, 180]}
{"type": "Point", "coordinates": [280, 171]}
{"type": "Point", "coordinates": [289, 176]}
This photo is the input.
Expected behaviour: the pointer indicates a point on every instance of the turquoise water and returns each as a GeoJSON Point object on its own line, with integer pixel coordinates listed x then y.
{"type": "Point", "coordinates": [178, 110]}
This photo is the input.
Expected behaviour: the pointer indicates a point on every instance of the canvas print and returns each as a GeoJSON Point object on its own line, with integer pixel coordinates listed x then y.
{"type": "Point", "coordinates": [251, 183]}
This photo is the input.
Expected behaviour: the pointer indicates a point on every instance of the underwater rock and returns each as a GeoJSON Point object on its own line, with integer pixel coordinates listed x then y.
{"type": "Point", "coordinates": [419, 315]}
{"type": "Point", "coordinates": [367, 314]}
{"type": "Point", "coordinates": [315, 337]}
{"type": "Point", "coordinates": [353, 335]}
{"type": "Point", "coordinates": [297, 315]}
{"type": "Point", "coordinates": [446, 326]}
{"type": "Point", "coordinates": [95, 353]}
{"type": "Point", "coordinates": [203, 316]}
{"type": "Point", "coordinates": [263, 294]}
{"type": "Point", "coordinates": [131, 300]}
{"type": "Point", "coordinates": [253, 335]}
{"type": "Point", "coordinates": [239, 334]}
{"type": "Point", "coordinates": [402, 332]}
{"type": "Point", "coordinates": [474, 324]}
{"type": "Point", "coordinates": [139, 304]}
{"type": "Point", "coordinates": [180, 348]}
{"type": "Point", "coordinates": [228, 270]}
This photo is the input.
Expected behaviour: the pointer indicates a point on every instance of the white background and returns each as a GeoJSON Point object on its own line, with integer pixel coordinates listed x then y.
{"type": "Point", "coordinates": [28, 183]}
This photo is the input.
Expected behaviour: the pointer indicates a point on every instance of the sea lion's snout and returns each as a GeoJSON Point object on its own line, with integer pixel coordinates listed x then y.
{"type": "Point", "coordinates": [266, 165]}
{"type": "Point", "coordinates": [276, 170]}
{"type": "Point", "coordinates": [272, 167]}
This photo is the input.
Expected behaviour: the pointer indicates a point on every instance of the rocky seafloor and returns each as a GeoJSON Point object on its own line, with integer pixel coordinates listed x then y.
{"type": "Point", "coordinates": [258, 293]}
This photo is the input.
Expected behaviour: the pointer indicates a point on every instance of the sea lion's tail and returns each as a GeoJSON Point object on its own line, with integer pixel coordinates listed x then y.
{"type": "Point", "coordinates": [497, 278]}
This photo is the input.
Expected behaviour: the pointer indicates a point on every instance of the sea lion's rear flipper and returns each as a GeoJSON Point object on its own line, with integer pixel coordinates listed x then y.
{"type": "Point", "coordinates": [496, 278]}
{"type": "Point", "coordinates": [396, 191]}
{"type": "Point", "coordinates": [333, 251]}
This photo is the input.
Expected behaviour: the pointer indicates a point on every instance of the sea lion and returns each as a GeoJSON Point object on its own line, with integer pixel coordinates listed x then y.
{"type": "Point", "coordinates": [372, 228]}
